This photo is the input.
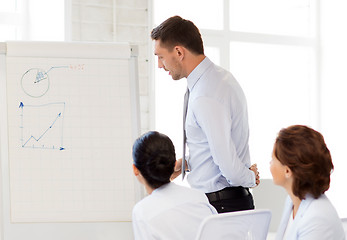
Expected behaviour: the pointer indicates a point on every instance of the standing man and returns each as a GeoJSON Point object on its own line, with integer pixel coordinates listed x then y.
{"type": "Point", "coordinates": [216, 123]}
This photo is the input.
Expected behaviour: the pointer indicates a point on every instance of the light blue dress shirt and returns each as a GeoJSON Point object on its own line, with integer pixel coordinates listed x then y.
{"type": "Point", "coordinates": [217, 130]}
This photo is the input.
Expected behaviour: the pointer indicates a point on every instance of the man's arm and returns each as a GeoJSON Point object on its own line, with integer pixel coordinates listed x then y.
{"type": "Point", "coordinates": [216, 123]}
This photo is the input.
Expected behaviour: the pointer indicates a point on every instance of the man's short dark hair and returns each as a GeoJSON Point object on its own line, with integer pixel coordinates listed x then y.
{"type": "Point", "coordinates": [178, 31]}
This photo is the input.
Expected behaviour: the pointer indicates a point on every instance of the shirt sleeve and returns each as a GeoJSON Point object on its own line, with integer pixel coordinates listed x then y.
{"type": "Point", "coordinates": [215, 121]}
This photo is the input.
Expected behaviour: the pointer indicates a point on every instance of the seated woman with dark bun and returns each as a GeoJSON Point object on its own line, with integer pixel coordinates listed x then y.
{"type": "Point", "coordinates": [169, 211]}
{"type": "Point", "coordinates": [301, 163]}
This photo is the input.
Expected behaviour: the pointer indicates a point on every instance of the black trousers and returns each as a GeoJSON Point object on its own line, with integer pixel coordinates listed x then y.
{"type": "Point", "coordinates": [231, 199]}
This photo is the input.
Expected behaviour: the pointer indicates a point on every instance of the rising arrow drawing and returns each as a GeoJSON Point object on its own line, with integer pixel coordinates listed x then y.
{"type": "Point", "coordinates": [37, 139]}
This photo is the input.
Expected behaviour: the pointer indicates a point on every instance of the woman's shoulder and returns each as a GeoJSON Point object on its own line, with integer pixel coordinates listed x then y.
{"type": "Point", "coordinates": [167, 197]}
{"type": "Point", "coordinates": [319, 210]}
{"type": "Point", "coordinates": [322, 203]}
{"type": "Point", "coordinates": [320, 219]}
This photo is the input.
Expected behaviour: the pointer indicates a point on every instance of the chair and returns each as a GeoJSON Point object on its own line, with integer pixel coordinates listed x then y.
{"type": "Point", "coordinates": [242, 225]}
{"type": "Point", "coordinates": [275, 203]}
{"type": "Point", "coordinates": [344, 224]}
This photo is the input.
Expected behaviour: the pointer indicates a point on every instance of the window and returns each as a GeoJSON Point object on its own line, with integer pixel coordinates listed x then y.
{"type": "Point", "coordinates": [279, 17]}
{"type": "Point", "coordinates": [32, 20]}
{"type": "Point", "coordinates": [10, 20]}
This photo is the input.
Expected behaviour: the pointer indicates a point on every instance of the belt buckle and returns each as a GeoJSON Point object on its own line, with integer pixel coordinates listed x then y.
{"type": "Point", "coordinates": [213, 196]}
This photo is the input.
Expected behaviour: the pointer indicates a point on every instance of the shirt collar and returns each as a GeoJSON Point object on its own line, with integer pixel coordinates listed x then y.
{"type": "Point", "coordinates": [162, 187]}
{"type": "Point", "coordinates": [195, 75]}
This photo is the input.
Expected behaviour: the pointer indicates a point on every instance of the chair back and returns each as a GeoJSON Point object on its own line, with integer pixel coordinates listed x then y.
{"type": "Point", "coordinates": [344, 224]}
{"type": "Point", "coordinates": [242, 225]}
{"type": "Point", "coordinates": [262, 200]}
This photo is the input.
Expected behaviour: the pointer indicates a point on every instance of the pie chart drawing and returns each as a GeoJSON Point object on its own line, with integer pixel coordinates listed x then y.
{"type": "Point", "coordinates": [35, 82]}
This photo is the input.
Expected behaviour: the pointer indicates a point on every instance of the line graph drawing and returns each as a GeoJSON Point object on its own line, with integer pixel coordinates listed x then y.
{"type": "Point", "coordinates": [35, 81]}
{"type": "Point", "coordinates": [42, 125]}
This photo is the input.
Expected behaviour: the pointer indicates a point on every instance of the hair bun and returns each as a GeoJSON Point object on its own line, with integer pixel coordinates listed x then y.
{"type": "Point", "coordinates": [160, 167]}
{"type": "Point", "coordinates": [154, 156]}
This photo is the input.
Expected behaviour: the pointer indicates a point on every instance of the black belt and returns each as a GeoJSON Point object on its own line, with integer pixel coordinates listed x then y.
{"type": "Point", "coordinates": [228, 193]}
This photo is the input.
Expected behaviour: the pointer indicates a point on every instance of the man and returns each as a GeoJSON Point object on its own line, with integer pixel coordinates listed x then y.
{"type": "Point", "coordinates": [216, 123]}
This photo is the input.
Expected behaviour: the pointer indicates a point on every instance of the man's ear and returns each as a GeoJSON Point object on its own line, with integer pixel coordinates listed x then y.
{"type": "Point", "coordinates": [136, 171]}
{"type": "Point", "coordinates": [180, 52]}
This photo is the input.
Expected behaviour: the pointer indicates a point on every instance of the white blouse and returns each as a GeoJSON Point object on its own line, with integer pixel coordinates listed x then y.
{"type": "Point", "coordinates": [170, 212]}
{"type": "Point", "coordinates": [316, 219]}
{"type": "Point", "coordinates": [290, 223]}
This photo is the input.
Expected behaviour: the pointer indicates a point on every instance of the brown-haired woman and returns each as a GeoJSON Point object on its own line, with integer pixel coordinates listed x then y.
{"type": "Point", "coordinates": [301, 163]}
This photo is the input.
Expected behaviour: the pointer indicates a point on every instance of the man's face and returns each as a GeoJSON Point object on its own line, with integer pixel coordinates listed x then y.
{"type": "Point", "coordinates": [168, 60]}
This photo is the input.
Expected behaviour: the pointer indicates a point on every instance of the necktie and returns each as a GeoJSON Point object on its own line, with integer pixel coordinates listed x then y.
{"type": "Point", "coordinates": [185, 107]}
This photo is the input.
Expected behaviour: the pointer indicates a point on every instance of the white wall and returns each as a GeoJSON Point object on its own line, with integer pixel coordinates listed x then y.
{"type": "Point", "coordinates": [121, 21]}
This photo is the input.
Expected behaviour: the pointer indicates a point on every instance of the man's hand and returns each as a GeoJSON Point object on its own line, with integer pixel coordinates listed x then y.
{"type": "Point", "coordinates": [254, 168]}
{"type": "Point", "coordinates": [177, 169]}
